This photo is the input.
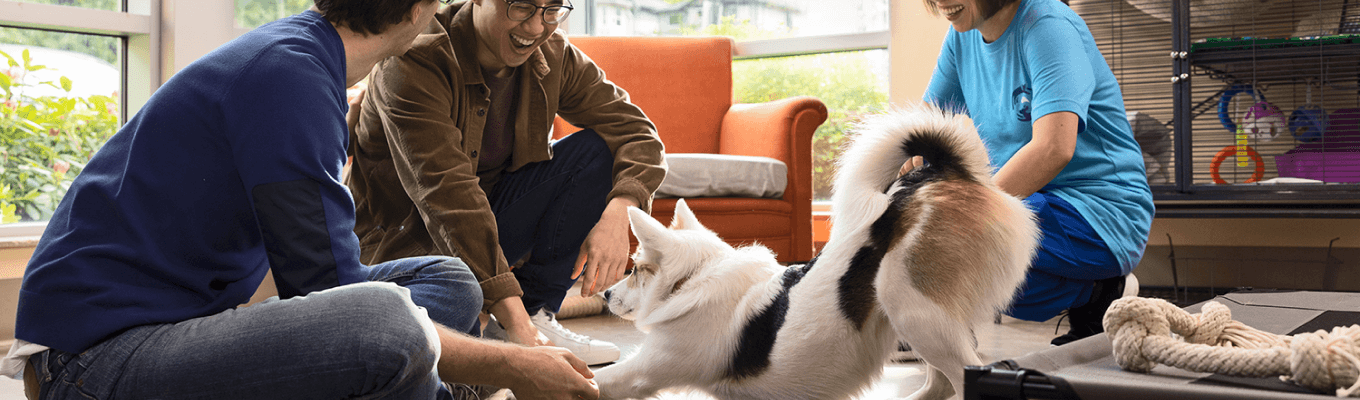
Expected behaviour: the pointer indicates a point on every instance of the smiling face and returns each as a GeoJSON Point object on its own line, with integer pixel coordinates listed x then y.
{"type": "Point", "coordinates": [504, 43]}
{"type": "Point", "coordinates": [963, 14]}
{"type": "Point", "coordinates": [989, 16]}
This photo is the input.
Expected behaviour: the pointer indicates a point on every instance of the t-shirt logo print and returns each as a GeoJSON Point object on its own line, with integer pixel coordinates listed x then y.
{"type": "Point", "coordinates": [1020, 99]}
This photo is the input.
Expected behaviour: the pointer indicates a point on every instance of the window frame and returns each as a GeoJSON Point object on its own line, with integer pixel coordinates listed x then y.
{"type": "Point", "coordinates": [138, 26]}
{"type": "Point", "coordinates": [149, 29]}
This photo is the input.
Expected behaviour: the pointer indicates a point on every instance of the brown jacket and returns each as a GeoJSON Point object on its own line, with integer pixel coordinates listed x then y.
{"type": "Point", "coordinates": [415, 148]}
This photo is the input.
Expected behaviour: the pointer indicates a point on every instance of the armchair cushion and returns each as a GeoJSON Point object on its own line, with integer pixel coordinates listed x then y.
{"type": "Point", "coordinates": [723, 175]}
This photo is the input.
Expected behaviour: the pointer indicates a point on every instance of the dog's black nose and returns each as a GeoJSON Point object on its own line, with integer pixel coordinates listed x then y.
{"type": "Point", "coordinates": [607, 293]}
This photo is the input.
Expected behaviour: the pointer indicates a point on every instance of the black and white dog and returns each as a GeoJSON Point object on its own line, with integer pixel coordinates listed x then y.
{"type": "Point", "coordinates": [924, 256]}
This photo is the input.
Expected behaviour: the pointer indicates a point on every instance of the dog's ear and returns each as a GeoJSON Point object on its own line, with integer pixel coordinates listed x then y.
{"type": "Point", "coordinates": [645, 227]}
{"type": "Point", "coordinates": [684, 218]}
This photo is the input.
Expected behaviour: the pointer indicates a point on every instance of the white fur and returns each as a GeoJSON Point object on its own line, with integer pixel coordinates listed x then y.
{"type": "Point", "coordinates": [694, 331]}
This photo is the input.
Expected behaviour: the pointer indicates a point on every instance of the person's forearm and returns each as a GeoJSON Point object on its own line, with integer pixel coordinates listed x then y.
{"type": "Point", "coordinates": [529, 372]}
{"type": "Point", "coordinates": [623, 202]}
{"type": "Point", "coordinates": [510, 312]}
{"type": "Point", "coordinates": [1040, 160]}
{"type": "Point", "coordinates": [460, 356]}
{"type": "Point", "coordinates": [1029, 170]}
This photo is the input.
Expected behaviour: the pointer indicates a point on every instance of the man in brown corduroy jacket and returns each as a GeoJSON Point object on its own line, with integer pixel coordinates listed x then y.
{"type": "Point", "coordinates": [452, 156]}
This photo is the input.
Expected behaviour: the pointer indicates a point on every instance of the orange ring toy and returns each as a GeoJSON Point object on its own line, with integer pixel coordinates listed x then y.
{"type": "Point", "coordinates": [1230, 151]}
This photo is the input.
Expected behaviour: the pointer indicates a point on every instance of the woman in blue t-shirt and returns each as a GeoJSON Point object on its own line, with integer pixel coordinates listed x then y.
{"type": "Point", "coordinates": [1050, 111]}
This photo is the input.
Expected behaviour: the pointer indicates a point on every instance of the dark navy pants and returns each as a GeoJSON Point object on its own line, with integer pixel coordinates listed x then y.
{"type": "Point", "coordinates": [546, 209]}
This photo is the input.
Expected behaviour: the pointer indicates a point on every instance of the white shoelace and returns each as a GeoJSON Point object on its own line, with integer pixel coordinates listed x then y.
{"type": "Point", "coordinates": [562, 330]}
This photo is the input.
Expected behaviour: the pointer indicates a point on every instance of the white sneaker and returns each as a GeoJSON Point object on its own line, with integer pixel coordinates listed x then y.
{"type": "Point", "coordinates": [589, 350]}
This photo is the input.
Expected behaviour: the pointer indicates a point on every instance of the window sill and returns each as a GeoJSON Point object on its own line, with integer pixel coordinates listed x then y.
{"type": "Point", "coordinates": [19, 242]}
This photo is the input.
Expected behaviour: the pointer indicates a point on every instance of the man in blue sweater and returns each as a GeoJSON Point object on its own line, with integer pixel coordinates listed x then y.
{"type": "Point", "coordinates": [232, 169]}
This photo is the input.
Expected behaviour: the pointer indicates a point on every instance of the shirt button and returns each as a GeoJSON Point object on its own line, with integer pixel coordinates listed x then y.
{"type": "Point", "coordinates": [481, 112]}
{"type": "Point", "coordinates": [474, 153]}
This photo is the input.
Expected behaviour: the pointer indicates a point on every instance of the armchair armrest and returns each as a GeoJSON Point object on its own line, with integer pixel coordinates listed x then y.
{"type": "Point", "coordinates": [773, 129]}
{"type": "Point", "coordinates": [781, 130]}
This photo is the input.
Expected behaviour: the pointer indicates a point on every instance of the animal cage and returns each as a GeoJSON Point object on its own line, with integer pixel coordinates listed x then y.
{"type": "Point", "coordinates": [1251, 105]}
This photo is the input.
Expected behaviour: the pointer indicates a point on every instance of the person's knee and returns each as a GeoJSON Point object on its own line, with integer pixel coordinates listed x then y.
{"type": "Point", "coordinates": [468, 288]}
{"type": "Point", "coordinates": [588, 145]}
{"type": "Point", "coordinates": [390, 333]}
{"type": "Point", "coordinates": [462, 273]}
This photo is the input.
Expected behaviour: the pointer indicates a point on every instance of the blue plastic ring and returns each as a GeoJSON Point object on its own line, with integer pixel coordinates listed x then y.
{"type": "Point", "coordinates": [1224, 101]}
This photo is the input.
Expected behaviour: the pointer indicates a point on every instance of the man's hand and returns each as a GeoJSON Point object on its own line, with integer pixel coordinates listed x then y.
{"type": "Point", "coordinates": [529, 372]}
{"type": "Point", "coordinates": [604, 254]}
{"type": "Point", "coordinates": [551, 373]}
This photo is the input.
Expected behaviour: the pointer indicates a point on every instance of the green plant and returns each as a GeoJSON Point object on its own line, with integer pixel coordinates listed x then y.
{"type": "Point", "coordinates": [253, 13]}
{"type": "Point", "coordinates": [845, 82]}
{"type": "Point", "coordinates": [44, 140]}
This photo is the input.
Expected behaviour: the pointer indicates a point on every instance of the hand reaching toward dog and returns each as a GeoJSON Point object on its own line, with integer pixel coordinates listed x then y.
{"type": "Point", "coordinates": [551, 373]}
{"type": "Point", "coordinates": [911, 164]}
{"type": "Point", "coordinates": [604, 254]}
{"type": "Point", "coordinates": [542, 372]}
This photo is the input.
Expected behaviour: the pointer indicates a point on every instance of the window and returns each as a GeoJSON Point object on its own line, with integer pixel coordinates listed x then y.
{"type": "Point", "coordinates": [833, 50]}
{"type": "Point", "coordinates": [62, 95]}
{"type": "Point", "coordinates": [108, 5]}
{"type": "Point", "coordinates": [251, 14]}
{"type": "Point", "coordinates": [852, 84]}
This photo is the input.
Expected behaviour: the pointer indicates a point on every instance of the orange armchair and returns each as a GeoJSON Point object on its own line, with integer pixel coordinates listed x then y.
{"type": "Point", "coordinates": [684, 84]}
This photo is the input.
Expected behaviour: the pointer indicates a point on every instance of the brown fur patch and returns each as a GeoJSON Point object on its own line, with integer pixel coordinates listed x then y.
{"type": "Point", "coordinates": [945, 263]}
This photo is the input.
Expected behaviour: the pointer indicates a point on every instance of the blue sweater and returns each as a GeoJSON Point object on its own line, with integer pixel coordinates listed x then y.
{"type": "Point", "coordinates": [1046, 62]}
{"type": "Point", "coordinates": [230, 170]}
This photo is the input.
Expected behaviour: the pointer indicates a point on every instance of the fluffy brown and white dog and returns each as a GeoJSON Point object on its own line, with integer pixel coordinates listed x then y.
{"type": "Point", "coordinates": [924, 256]}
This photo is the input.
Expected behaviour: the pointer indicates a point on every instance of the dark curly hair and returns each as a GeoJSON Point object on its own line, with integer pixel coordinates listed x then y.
{"type": "Point", "coordinates": [986, 8]}
{"type": "Point", "coordinates": [366, 17]}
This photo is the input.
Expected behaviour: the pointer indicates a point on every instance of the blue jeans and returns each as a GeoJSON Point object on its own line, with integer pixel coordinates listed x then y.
{"type": "Point", "coordinates": [371, 340]}
{"type": "Point", "coordinates": [1070, 258]}
{"type": "Point", "coordinates": [546, 209]}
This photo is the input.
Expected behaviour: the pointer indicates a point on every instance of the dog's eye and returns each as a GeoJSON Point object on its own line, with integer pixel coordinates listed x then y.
{"type": "Point", "coordinates": [646, 268]}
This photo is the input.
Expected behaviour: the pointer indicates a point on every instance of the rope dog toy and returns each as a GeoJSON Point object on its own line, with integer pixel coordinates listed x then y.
{"type": "Point", "coordinates": [1146, 332]}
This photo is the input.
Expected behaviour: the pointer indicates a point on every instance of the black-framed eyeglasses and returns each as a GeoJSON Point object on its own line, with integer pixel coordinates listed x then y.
{"type": "Point", "coordinates": [522, 11]}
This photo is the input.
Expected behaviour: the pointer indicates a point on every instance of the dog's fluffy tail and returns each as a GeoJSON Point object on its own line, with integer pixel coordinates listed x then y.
{"type": "Point", "coordinates": [946, 140]}
{"type": "Point", "coordinates": [969, 243]}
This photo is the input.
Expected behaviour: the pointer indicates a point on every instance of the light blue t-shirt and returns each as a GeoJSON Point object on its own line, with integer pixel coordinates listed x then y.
{"type": "Point", "coordinates": [1046, 62]}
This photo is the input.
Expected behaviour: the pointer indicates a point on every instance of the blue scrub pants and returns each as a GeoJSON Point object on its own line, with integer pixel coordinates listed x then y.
{"type": "Point", "coordinates": [1071, 257]}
